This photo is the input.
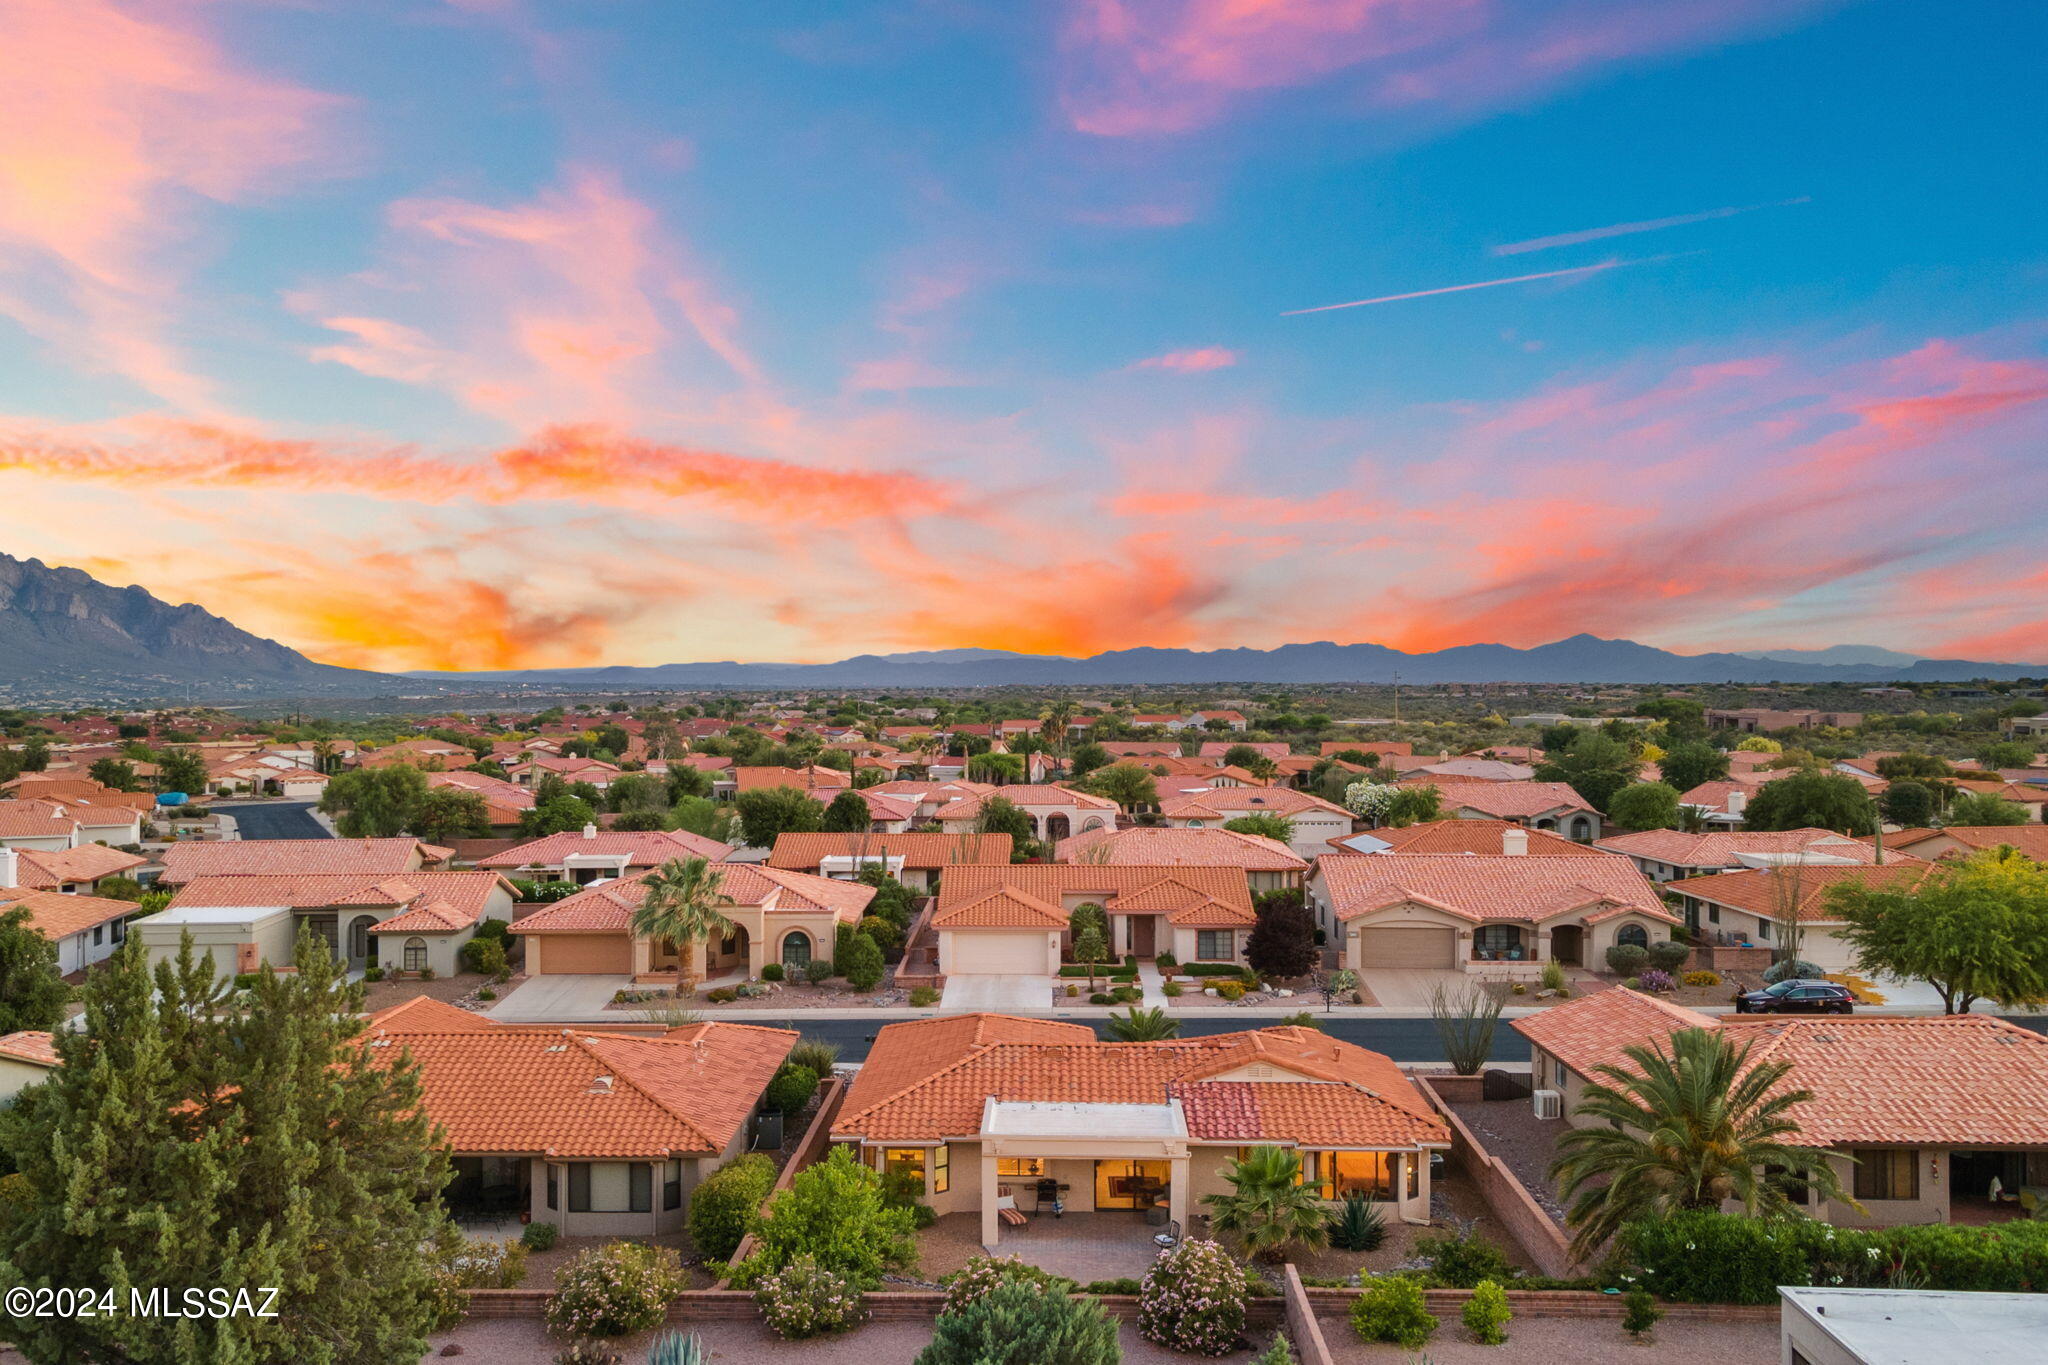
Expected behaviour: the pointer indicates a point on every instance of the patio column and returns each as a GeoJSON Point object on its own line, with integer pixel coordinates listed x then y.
{"type": "Point", "coordinates": [643, 956]}
{"type": "Point", "coordinates": [991, 1225]}
{"type": "Point", "coordinates": [1178, 1176]}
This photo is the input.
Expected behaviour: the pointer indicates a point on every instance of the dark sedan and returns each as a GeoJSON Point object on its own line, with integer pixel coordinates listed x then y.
{"type": "Point", "coordinates": [1798, 997]}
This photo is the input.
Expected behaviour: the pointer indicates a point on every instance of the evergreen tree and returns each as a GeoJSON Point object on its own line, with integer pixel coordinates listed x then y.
{"type": "Point", "coordinates": [32, 990]}
{"type": "Point", "coordinates": [848, 814]}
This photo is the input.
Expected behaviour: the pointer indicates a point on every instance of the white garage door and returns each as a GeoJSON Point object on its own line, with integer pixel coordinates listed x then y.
{"type": "Point", "coordinates": [1408, 948]}
{"type": "Point", "coordinates": [998, 954]}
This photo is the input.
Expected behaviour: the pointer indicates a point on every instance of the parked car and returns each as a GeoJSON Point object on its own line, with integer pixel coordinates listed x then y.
{"type": "Point", "coordinates": [1798, 996]}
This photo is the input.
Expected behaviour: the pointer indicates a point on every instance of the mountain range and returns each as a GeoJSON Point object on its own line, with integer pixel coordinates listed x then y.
{"type": "Point", "coordinates": [66, 636]}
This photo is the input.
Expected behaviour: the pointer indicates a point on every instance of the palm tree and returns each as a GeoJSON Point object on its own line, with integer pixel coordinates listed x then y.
{"type": "Point", "coordinates": [1269, 1210]}
{"type": "Point", "coordinates": [1056, 719]}
{"type": "Point", "coordinates": [1143, 1026]}
{"type": "Point", "coordinates": [685, 904]}
{"type": "Point", "coordinates": [1691, 1128]}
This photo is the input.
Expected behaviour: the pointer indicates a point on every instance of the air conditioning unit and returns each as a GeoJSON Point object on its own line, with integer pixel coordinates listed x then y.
{"type": "Point", "coordinates": [1549, 1104]}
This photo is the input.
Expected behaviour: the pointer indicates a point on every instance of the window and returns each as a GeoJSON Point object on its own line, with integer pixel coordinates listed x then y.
{"type": "Point", "coordinates": [611, 1187]}
{"type": "Point", "coordinates": [672, 1186]}
{"type": "Point", "coordinates": [1498, 943]}
{"type": "Point", "coordinates": [1019, 1167]}
{"type": "Point", "coordinates": [796, 950]}
{"type": "Point", "coordinates": [942, 1169]}
{"type": "Point", "coordinates": [642, 1176]}
{"type": "Point", "coordinates": [1763, 931]}
{"type": "Point", "coordinates": [1886, 1173]}
{"type": "Point", "coordinates": [99, 932]}
{"type": "Point", "coordinates": [907, 1159]}
{"type": "Point", "coordinates": [1216, 945]}
{"type": "Point", "coordinates": [1366, 1173]}
{"type": "Point", "coordinates": [120, 931]}
{"type": "Point", "coordinates": [1635, 934]}
{"type": "Point", "coordinates": [554, 1174]}
{"type": "Point", "coordinates": [579, 1188]}
{"type": "Point", "coordinates": [415, 954]}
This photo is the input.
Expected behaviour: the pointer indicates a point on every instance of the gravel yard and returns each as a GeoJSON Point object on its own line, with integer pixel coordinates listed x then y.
{"type": "Point", "coordinates": [1583, 1341]}
{"type": "Point", "coordinates": [1512, 1132]}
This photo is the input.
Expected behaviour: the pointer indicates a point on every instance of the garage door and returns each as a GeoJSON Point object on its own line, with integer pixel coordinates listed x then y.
{"type": "Point", "coordinates": [998, 954]}
{"type": "Point", "coordinates": [1408, 948]}
{"type": "Point", "coordinates": [584, 954]}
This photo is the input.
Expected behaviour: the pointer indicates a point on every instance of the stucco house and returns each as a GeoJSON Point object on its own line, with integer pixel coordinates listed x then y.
{"type": "Point", "coordinates": [1756, 904]}
{"type": "Point", "coordinates": [1494, 915]}
{"type": "Point", "coordinates": [919, 861]}
{"type": "Point", "coordinates": [1550, 806]}
{"type": "Point", "coordinates": [791, 918]}
{"type": "Point", "coordinates": [77, 870]}
{"type": "Point", "coordinates": [1920, 1115]}
{"type": "Point", "coordinates": [992, 1110]}
{"type": "Point", "coordinates": [1664, 854]}
{"type": "Point", "coordinates": [1268, 864]}
{"type": "Point", "coordinates": [1315, 821]}
{"type": "Point", "coordinates": [593, 855]}
{"type": "Point", "coordinates": [1056, 812]}
{"type": "Point", "coordinates": [601, 1134]}
{"type": "Point", "coordinates": [185, 862]}
{"type": "Point", "coordinates": [1458, 836]}
{"type": "Point", "coordinates": [26, 1059]}
{"type": "Point", "coordinates": [1016, 919]}
{"type": "Point", "coordinates": [86, 929]}
{"type": "Point", "coordinates": [1962, 841]}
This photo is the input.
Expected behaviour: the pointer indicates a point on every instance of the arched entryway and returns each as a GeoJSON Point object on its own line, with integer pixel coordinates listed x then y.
{"type": "Point", "coordinates": [360, 946]}
{"type": "Point", "coordinates": [1057, 827]}
{"type": "Point", "coordinates": [731, 950]}
{"type": "Point", "coordinates": [796, 951]}
{"type": "Point", "coordinates": [1582, 829]}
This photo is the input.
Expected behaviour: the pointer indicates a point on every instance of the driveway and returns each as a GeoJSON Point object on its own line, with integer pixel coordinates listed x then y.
{"type": "Point", "coordinates": [1408, 988]}
{"type": "Point", "coordinates": [997, 993]}
{"type": "Point", "coordinates": [563, 999]}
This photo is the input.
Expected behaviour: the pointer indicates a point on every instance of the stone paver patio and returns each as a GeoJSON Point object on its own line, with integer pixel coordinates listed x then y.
{"type": "Point", "coordinates": [1082, 1246]}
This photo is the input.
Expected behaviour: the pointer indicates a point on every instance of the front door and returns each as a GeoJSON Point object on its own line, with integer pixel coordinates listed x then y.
{"type": "Point", "coordinates": [1143, 934]}
{"type": "Point", "coordinates": [1131, 1184]}
{"type": "Point", "coordinates": [1566, 945]}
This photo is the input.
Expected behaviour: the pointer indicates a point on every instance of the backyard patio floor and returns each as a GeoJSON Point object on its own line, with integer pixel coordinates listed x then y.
{"type": "Point", "coordinates": [1081, 1246]}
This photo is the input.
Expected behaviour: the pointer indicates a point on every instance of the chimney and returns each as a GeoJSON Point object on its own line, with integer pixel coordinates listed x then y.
{"type": "Point", "coordinates": [9, 867]}
{"type": "Point", "coordinates": [1514, 841]}
{"type": "Point", "coordinates": [1738, 802]}
{"type": "Point", "coordinates": [590, 831]}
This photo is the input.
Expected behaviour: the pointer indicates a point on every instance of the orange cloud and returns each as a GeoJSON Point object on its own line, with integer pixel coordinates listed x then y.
{"type": "Point", "coordinates": [1190, 361]}
{"type": "Point", "coordinates": [115, 125]}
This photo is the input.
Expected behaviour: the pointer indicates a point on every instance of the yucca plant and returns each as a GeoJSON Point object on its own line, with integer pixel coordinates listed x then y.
{"type": "Point", "coordinates": [1358, 1225]}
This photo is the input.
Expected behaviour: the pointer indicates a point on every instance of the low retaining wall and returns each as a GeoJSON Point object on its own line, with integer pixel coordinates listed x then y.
{"type": "Point", "coordinates": [1542, 1240]}
{"type": "Point", "coordinates": [1304, 1329]}
{"type": "Point", "coordinates": [1454, 1089]}
{"type": "Point", "coordinates": [1728, 959]}
{"type": "Point", "coordinates": [1554, 1303]}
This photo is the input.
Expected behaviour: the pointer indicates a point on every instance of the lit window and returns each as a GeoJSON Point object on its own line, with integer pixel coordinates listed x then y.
{"type": "Point", "coordinates": [1366, 1173]}
{"type": "Point", "coordinates": [942, 1170]}
{"type": "Point", "coordinates": [909, 1160]}
{"type": "Point", "coordinates": [1019, 1167]}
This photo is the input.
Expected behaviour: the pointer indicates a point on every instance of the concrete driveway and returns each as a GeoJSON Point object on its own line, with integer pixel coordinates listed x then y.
{"type": "Point", "coordinates": [562, 999]}
{"type": "Point", "coordinates": [997, 993]}
{"type": "Point", "coordinates": [1408, 988]}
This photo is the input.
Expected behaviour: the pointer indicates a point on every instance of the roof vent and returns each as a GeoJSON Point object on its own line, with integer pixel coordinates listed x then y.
{"type": "Point", "coordinates": [601, 1085]}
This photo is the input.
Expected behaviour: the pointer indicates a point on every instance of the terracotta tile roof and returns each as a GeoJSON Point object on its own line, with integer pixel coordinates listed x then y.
{"type": "Point", "coordinates": [645, 848]}
{"type": "Point", "coordinates": [1399, 748]}
{"type": "Point", "coordinates": [1506, 800]}
{"type": "Point", "coordinates": [1314, 1091]}
{"type": "Point", "coordinates": [431, 902]}
{"type": "Point", "coordinates": [590, 1095]}
{"type": "Point", "coordinates": [1464, 836]}
{"type": "Point", "coordinates": [1164, 846]}
{"type": "Point", "coordinates": [1480, 886]}
{"type": "Point", "coordinates": [1180, 902]}
{"type": "Point", "coordinates": [1216, 748]}
{"type": "Point", "coordinates": [1156, 889]}
{"type": "Point", "coordinates": [49, 869]}
{"type": "Point", "coordinates": [241, 857]}
{"type": "Point", "coordinates": [925, 851]}
{"type": "Point", "coordinates": [1718, 848]}
{"type": "Point", "coordinates": [29, 1045]}
{"type": "Point", "coordinates": [425, 1014]}
{"type": "Point", "coordinates": [1956, 1080]}
{"type": "Point", "coordinates": [1480, 770]}
{"type": "Point", "coordinates": [2031, 841]}
{"type": "Point", "coordinates": [30, 819]}
{"type": "Point", "coordinates": [1026, 795]}
{"type": "Point", "coordinates": [1000, 908]}
{"type": "Point", "coordinates": [1760, 891]}
{"type": "Point", "coordinates": [608, 906]}
{"type": "Point", "coordinates": [1235, 801]}
{"type": "Point", "coordinates": [2021, 793]}
{"type": "Point", "coordinates": [58, 915]}
{"type": "Point", "coordinates": [908, 1052]}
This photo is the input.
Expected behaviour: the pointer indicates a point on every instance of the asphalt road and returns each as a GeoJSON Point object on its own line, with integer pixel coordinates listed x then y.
{"type": "Point", "coordinates": [276, 820]}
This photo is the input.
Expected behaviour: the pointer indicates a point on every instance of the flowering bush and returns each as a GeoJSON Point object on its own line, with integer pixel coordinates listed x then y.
{"type": "Point", "coordinates": [1369, 800]}
{"type": "Point", "coordinates": [1654, 980]}
{"type": "Point", "coordinates": [804, 1299]}
{"type": "Point", "coordinates": [615, 1290]}
{"type": "Point", "coordinates": [1703, 978]}
{"type": "Point", "coordinates": [982, 1274]}
{"type": "Point", "coordinates": [461, 1263]}
{"type": "Point", "coordinates": [1193, 1300]}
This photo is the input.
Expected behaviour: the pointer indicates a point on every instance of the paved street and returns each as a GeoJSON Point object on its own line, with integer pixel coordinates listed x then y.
{"type": "Point", "coordinates": [275, 820]}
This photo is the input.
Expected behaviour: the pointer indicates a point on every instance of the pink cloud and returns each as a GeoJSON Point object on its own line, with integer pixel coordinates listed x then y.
{"type": "Point", "coordinates": [1189, 361]}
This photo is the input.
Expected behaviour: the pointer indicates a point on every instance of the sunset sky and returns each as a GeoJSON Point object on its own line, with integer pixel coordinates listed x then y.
{"type": "Point", "coordinates": [487, 333]}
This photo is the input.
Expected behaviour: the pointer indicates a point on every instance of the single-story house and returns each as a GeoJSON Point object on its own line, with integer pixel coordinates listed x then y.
{"type": "Point", "coordinates": [1469, 770]}
{"type": "Point", "coordinates": [919, 861]}
{"type": "Point", "coordinates": [1458, 836]}
{"type": "Point", "coordinates": [998, 1113]}
{"type": "Point", "coordinates": [505, 803]}
{"type": "Point", "coordinates": [1550, 806]}
{"type": "Point", "coordinates": [1268, 864]}
{"type": "Point", "coordinates": [603, 1135]}
{"type": "Point", "coordinates": [1494, 915]}
{"type": "Point", "coordinates": [593, 855]}
{"type": "Point", "coordinates": [78, 870]}
{"type": "Point", "coordinates": [1056, 812]}
{"type": "Point", "coordinates": [539, 766]}
{"type": "Point", "coordinates": [1962, 841]}
{"type": "Point", "coordinates": [791, 918]}
{"type": "Point", "coordinates": [26, 1059]}
{"type": "Point", "coordinates": [1215, 749]}
{"type": "Point", "coordinates": [1664, 854]}
{"type": "Point", "coordinates": [1016, 919]}
{"type": "Point", "coordinates": [86, 929]}
{"type": "Point", "coordinates": [1921, 1116]}
{"type": "Point", "coordinates": [1754, 905]}
{"type": "Point", "coordinates": [186, 862]}
{"type": "Point", "coordinates": [37, 825]}
{"type": "Point", "coordinates": [1315, 821]}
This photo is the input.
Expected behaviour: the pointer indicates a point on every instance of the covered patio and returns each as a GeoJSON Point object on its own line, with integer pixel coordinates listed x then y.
{"type": "Point", "coordinates": [1134, 1157]}
{"type": "Point", "coordinates": [1084, 1247]}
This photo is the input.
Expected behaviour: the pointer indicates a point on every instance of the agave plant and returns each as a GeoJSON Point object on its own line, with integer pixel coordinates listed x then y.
{"type": "Point", "coordinates": [1358, 1225]}
{"type": "Point", "coordinates": [673, 1348]}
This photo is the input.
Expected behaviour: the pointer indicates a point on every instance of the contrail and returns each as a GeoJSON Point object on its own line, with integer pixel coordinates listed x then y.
{"type": "Point", "coordinates": [1647, 225]}
{"type": "Point", "coordinates": [1461, 288]}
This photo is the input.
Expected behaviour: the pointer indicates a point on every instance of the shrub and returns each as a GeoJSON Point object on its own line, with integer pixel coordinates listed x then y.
{"type": "Point", "coordinates": [815, 1053]}
{"type": "Point", "coordinates": [862, 963]}
{"type": "Point", "coordinates": [485, 956]}
{"type": "Point", "coordinates": [804, 1299]}
{"type": "Point", "coordinates": [791, 1089]}
{"type": "Point", "coordinates": [247, 980]}
{"type": "Point", "coordinates": [1520, 989]}
{"type": "Point", "coordinates": [495, 928]}
{"type": "Point", "coordinates": [1633, 983]}
{"type": "Point", "coordinates": [817, 971]}
{"type": "Point", "coordinates": [1166, 962]}
{"type": "Point", "coordinates": [1790, 967]}
{"type": "Point", "coordinates": [1702, 978]}
{"type": "Point", "coordinates": [722, 1207]}
{"type": "Point", "coordinates": [1668, 955]}
{"type": "Point", "coordinates": [1230, 990]}
{"type": "Point", "coordinates": [1462, 1260]}
{"type": "Point", "coordinates": [1100, 999]}
{"type": "Point", "coordinates": [1553, 976]}
{"type": "Point", "coordinates": [460, 1263]}
{"type": "Point", "coordinates": [615, 1290]}
{"type": "Point", "coordinates": [1023, 1324]}
{"type": "Point", "coordinates": [984, 1274]}
{"type": "Point", "coordinates": [1486, 1314]}
{"type": "Point", "coordinates": [486, 993]}
{"type": "Point", "coordinates": [1170, 989]}
{"type": "Point", "coordinates": [1639, 1312]}
{"type": "Point", "coordinates": [427, 973]}
{"type": "Point", "coordinates": [1127, 995]}
{"type": "Point", "coordinates": [1192, 1300]}
{"type": "Point", "coordinates": [1392, 1309]}
{"type": "Point", "coordinates": [835, 1211]}
{"type": "Point", "coordinates": [373, 973]}
{"type": "Point", "coordinates": [724, 995]}
{"type": "Point", "coordinates": [772, 972]}
{"type": "Point", "coordinates": [1358, 1225]}
{"type": "Point", "coordinates": [1659, 982]}
{"type": "Point", "coordinates": [1627, 959]}
{"type": "Point", "coordinates": [588, 1352]}
{"type": "Point", "coordinates": [1279, 1353]}
{"type": "Point", "coordinates": [539, 1236]}
{"type": "Point", "coordinates": [926, 995]}
{"type": "Point", "coordinates": [1126, 1285]}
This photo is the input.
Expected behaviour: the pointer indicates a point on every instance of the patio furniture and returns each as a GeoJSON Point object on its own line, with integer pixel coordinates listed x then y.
{"type": "Point", "coordinates": [1168, 1239]}
{"type": "Point", "coordinates": [1007, 1210]}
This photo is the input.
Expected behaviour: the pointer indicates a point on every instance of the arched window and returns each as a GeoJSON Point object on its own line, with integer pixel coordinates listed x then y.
{"type": "Point", "coordinates": [1582, 828]}
{"type": "Point", "coordinates": [415, 954]}
{"type": "Point", "coordinates": [796, 950]}
{"type": "Point", "coordinates": [1633, 934]}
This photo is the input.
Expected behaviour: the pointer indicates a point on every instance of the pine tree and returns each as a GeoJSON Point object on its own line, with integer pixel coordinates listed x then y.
{"type": "Point", "coordinates": [32, 991]}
